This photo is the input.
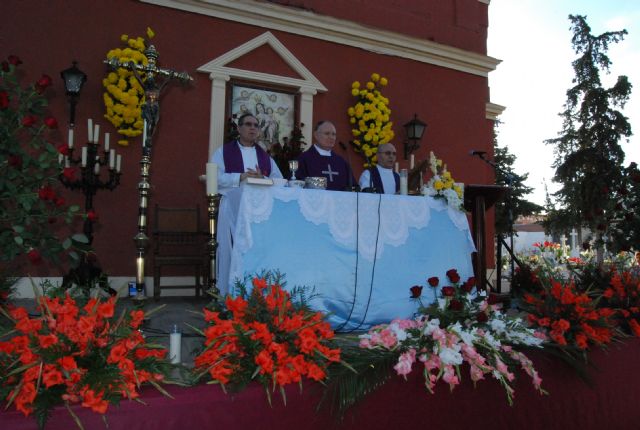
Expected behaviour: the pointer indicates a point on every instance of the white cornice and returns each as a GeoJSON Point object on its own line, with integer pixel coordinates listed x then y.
{"type": "Point", "coordinates": [309, 24]}
{"type": "Point", "coordinates": [493, 111]}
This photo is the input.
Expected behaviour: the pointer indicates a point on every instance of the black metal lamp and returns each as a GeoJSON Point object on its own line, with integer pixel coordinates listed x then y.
{"type": "Point", "coordinates": [414, 129]}
{"type": "Point", "coordinates": [74, 79]}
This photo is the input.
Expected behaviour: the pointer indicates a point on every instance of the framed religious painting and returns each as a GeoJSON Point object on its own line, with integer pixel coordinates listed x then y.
{"type": "Point", "coordinates": [275, 109]}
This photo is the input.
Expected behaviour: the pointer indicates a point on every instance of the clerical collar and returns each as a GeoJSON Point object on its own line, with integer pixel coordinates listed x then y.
{"type": "Point", "coordinates": [245, 147]}
{"type": "Point", "coordinates": [321, 151]}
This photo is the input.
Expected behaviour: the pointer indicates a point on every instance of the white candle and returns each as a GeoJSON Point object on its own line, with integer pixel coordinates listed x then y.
{"type": "Point", "coordinates": [118, 162]}
{"type": "Point", "coordinates": [397, 167]}
{"type": "Point", "coordinates": [96, 167]}
{"type": "Point", "coordinates": [84, 156]}
{"type": "Point", "coordinates": [96, 133]}
{"type": "Point", "coordinates": [90, 129]}
{"type": "Point", "coordinates": [70, 138]}
{"type": "Point", "coordinates": [67, 163]}
{"type": "Point", "coordinates": [144, 132]}
{"type": "Point", "coordinates": [106, 142]}
{"type": "Point", "coordinates": [212, 178]}
{"type": "Point", "coordinates": [175, 345]}
{"type": "Point", "coordinates": [112, 159]}
{"type": "Point", "coordinates": [404, 188]}
{"type": "Point", "coordinates": [412, 161]}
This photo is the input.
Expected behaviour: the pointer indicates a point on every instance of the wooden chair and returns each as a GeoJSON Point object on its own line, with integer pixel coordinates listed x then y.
{"type": "Point", "coordinates": [178, 241]}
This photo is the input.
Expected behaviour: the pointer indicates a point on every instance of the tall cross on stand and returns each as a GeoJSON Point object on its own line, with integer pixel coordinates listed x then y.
{"type": "Point", "coordinates": [574, 243]}
{"type": "Point", "coordinates": [330, 172]}
{"type": "Point", "coordinates": [153, 79]}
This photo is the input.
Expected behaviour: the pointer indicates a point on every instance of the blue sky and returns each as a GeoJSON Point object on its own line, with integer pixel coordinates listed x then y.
{"type": "Point", "coordinates": [533, 40]}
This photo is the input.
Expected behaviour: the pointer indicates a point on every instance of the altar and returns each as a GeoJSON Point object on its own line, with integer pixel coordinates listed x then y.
{"type": "Point", "coordinates": [357, 254]}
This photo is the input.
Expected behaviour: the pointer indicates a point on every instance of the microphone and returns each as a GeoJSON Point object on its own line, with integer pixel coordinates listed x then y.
{"type": "Point", "coordinates": [478, 153]}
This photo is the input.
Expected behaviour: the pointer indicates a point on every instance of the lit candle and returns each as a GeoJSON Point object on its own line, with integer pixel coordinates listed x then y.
{"type": "Point", "coordinates": [84, 156]}
{"type": "Point", "coordinates": [70, 138]}
{"type": "Point", "coordinates": [212, 178]}
{"type": "Point", "coordinates": [397, 167]}
{"type": "Point", "coordinates": [412, 161]}
{"type": "Point", "coordinates": [118, 162]}
{"type": "Point", "coordinates": [106, 142]}
{"type": "Point", "coordinates": [90, 129]}
{"type": "Point", "coordinates": [96, 167]}
{"type": "Point", "coordinates": [112, 158]}
{"type": "Point", "coordinates": [96, 133]}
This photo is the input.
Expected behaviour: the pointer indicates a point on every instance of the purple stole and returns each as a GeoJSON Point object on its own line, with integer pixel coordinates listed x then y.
{"type": "Point", "coordinates": [376, 180]}
{"type": "Point", "coordinates": [233, 159]}
{"type": "Point", "coordinates": [334, 168]}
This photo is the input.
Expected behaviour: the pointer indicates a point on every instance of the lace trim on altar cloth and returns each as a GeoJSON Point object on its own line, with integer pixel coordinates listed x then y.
{"type": "Point", "coordinates": [338, 211]}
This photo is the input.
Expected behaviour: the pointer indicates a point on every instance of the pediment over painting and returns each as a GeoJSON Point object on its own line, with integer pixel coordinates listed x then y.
{"type": "Point", "coordinates": [238, 63]}
{"type": "Point", "coordinates": [265, 59]}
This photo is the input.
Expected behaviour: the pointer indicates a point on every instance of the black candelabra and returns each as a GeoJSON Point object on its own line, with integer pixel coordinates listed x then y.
{"type": "Point", "coordinates": [91, 162]}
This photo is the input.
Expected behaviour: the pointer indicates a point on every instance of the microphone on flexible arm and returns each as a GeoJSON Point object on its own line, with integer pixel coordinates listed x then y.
{"type": "Point", "coordinates": [350, 173]}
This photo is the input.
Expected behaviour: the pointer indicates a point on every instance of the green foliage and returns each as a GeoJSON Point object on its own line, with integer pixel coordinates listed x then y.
{"type": "Point", "coordinates": [624, 229]}
{"type": "Point", "coordinates": [30, 206]}
{"type": "Point", "coordinates": [515, 200]}
{"type": "Point", "coordinates": [588, 155]}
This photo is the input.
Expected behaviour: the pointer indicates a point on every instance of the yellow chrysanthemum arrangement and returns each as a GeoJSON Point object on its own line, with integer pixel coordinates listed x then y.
{"type": "Point", "coordinates": [442, 184]}
{"type": "Point", "coordinates": [124, 96]}
{"type": "Point", "coordinates": [370, 118]}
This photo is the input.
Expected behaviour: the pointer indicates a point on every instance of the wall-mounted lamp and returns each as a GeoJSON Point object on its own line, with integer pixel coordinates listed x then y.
{"type": "Point", "coordinates": [74, 79]}
{"type": "Point", "coordinates": [414, 129]}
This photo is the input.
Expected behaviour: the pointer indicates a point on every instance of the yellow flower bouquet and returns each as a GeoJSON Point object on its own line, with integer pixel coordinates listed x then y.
{"type": "Point", "coordinates": [442, 184]}
{"type": "Point", "coordinates": [370, 118]}
{"type": "Point", "coordinates": [124, 96]}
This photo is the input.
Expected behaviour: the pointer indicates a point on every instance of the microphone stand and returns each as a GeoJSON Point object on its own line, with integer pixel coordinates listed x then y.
{"type": "Point", "coordinates": [508, 178]}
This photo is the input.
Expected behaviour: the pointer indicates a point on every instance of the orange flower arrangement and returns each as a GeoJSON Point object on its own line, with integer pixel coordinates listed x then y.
{"type": "Point", "coordinates": [73, 354]}
{"type": "Point", "coordinates": [570, 317]}
{"type": "Point", "coordinates": [623, 295]}
{"type": "Point", "coordinates": [267, 337]}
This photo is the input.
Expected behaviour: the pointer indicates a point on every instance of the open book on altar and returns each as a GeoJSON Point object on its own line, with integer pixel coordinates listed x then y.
{"type": "Point", "coordinates": [257, 181]}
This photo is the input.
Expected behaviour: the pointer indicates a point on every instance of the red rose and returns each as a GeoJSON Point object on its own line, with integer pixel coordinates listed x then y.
{"type": "Point", "coordinates": [46, 193]}
{"type": "Point", "coordinates": [43, 83]}
{"type": "Point", "coordinates": [51, 122]}
{"type": "Point", "coordinates": [92, 215]}
{"type": "Point", "coordinates": [448, 291]}
{"type": "Point", "coordinates": [482, 317]}
{"type": "Point", "coordinates": [29, 120]}
{"type": "Point", "coordinates": [453, 276]}
{"type": "Point", "coordinates": [14, 59]}
{"type": "Point", "coordinates": [416, 291]}
{"type": "Point", "coordinates": [4, 100]}
{"type": "Point", "coordinates": [14, 161]}
{"type": "Point", "coordinates": [34, 256]}
{"type": "Point", "coordinates": [69, 173]}
{"type": "Point", "coordinates": [63, 149]}
{"type": "Point", "coordinates": [433, 281]}
{"type": "Point", "coordinates": [469, 284]}
{"type": "Point", "coordinates": [455, 305]}
{"type": "Point", "coordinates": [60, 201]}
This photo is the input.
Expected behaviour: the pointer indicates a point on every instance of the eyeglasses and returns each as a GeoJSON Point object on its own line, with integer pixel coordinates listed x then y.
{"type": "Point", "coordinates": [387, 153]}
{"type": "Point", "coordinates": [251, 124]}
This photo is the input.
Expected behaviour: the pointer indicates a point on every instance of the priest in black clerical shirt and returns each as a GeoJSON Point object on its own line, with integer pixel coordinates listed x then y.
{"type": "Point", "coordinates": [320, 160]}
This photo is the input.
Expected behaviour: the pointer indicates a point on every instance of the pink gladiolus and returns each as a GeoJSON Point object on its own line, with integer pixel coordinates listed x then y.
{"type": "Point", "coordinates": [405, 362]}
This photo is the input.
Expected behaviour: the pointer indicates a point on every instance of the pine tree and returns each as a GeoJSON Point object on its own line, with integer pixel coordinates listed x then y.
{"type": "Point", "coordinates": [588, 156]}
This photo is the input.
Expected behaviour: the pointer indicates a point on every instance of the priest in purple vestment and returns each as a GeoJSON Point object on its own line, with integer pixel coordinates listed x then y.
{"type": "Point", "coordinates": [381, 178]}
{"type": "Point", "coordinates": [320, 160]}
{"type": "Point", "coordinates": [242, 158]}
